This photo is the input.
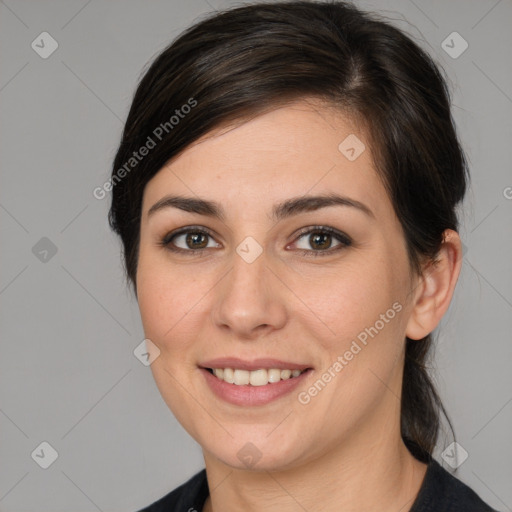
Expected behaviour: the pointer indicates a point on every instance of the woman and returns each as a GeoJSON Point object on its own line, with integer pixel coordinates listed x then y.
{"type": "Point", "coordinates": [285, 191]}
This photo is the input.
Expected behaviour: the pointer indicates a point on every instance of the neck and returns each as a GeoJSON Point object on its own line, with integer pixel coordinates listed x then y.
{"type": "Point", "coordinates": [359, 476]}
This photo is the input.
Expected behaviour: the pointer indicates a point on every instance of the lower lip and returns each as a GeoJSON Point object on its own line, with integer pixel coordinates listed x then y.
{"type": "Point", "coordinates": [252, 395]}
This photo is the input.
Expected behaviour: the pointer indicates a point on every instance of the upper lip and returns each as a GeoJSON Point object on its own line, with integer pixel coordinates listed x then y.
{"type": "Point", "coordinates": [255, 364]}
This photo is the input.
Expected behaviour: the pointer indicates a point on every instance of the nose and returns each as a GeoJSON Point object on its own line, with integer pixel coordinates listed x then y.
{"type": "Point", "coordinates": [250, 301]}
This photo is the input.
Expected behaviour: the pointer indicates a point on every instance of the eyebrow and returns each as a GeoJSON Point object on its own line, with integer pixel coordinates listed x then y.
{"type": "Point", "coordinates": [285, 209]}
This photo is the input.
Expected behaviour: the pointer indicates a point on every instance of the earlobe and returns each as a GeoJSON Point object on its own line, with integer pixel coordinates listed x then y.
{"type": "Point", "coordinates": [435, 289]}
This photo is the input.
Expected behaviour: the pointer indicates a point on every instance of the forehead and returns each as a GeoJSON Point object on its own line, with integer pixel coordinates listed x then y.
{"type": "Point", "coordinates": [302, 148]}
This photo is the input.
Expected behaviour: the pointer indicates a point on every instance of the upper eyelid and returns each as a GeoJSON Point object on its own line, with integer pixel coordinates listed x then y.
{"type": "Point", "coordinates": [188, 229]}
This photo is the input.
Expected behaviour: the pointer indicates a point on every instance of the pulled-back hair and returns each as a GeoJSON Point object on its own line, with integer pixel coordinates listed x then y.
{"type": "Point", "coordinates": [247, 60]}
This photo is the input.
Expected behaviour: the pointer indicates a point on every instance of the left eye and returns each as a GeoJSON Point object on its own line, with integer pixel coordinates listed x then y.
{"type": "Point", "coordinates": [321, 239]}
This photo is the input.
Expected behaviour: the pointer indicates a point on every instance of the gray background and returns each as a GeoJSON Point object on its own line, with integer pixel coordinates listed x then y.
{"type": "Point", "coordinates": [69, 326]}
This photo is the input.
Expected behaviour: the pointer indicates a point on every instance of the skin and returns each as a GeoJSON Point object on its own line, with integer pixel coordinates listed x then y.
{"type": "Point", "coordinates": [342, 450]}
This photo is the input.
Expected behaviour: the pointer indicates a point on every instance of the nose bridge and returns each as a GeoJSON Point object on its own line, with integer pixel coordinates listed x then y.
{"type": "Point", "coordinates": [249, 267]}
{"type": "Point", "coordinates": [247, 300]}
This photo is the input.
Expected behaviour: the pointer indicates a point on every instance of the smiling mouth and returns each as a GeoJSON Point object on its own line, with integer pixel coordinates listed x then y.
{"type": "Point", "coordinates": [260, 377]}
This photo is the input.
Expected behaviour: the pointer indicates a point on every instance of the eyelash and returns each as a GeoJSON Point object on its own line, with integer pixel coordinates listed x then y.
{"type": "Point", "coordinates": [344, 240]}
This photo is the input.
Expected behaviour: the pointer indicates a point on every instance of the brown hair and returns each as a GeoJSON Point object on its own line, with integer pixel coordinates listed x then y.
{"type": "Point", "coordinates": [240, 62]}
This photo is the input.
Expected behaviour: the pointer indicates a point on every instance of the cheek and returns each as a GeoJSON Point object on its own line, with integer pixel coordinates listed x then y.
{"type": "Point", "coordinates": [175, 306]}
{"type": "Point", "coordinates": [363, 345]}
{"type": "Point", "coordinates": [166, 301]}
{"type": "Point", "coordinates": [166, 298]}
{"type": "Point", "coordinates": [354, 296]}
{"type": "Point", "coordinates": [363, 307]}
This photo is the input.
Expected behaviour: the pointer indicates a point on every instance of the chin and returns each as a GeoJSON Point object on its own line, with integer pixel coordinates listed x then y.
{"type": "Point", "coordinates": [258, 454]}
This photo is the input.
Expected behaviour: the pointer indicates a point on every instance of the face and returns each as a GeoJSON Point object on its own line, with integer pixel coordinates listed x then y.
{"type": "Point", "coordinates": [263, 279]}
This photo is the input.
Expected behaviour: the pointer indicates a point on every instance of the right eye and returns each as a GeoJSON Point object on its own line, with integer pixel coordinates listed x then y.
{"type": "Point", "coordinates": [193, 240]}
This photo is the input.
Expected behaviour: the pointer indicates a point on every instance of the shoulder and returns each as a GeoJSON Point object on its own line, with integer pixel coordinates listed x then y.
{"type": "Point", "coordinates": [188, 497]}
{"type": "Point", "coordinates": [442, 492]}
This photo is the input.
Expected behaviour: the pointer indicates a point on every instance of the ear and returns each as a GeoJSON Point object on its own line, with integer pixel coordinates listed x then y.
{"type": "Point", "coordinates": [434, 291]}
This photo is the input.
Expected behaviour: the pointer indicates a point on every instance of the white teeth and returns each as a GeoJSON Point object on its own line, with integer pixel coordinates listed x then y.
{"type": "Point", "coordinates": [260, 377]}
{"type": "Point", "coordinates": [241, 377]}
{"type": "Point", "coordinates": [229, 375]}
{"type": "Point", "coordinates": [274, 375]}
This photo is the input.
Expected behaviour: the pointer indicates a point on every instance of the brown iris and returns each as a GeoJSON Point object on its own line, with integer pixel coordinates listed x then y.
{"type": "Point", "coordinates": [316, 240]}
{"type": "Point", "coordinates": [194, 237]}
